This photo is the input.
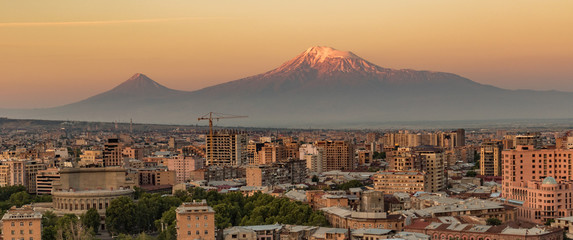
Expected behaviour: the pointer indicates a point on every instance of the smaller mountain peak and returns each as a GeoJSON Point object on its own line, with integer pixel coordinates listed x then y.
{"type": "Point", "coordinates": [139, 81]}
{"type": "Point", "coordinates": [139, 76]}
{"type": "Point", "coordinates": [321, 53]}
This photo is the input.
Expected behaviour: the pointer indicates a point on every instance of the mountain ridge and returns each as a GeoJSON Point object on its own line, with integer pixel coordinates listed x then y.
{"type": "Point", "coordinates": [321, 85]}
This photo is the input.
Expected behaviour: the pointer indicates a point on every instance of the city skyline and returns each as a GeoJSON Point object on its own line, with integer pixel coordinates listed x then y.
{"type": "Point", "coordinates": [52, 48]}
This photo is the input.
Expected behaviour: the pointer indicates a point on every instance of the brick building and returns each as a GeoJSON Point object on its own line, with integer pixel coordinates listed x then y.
{"type": "Point", "coordinates": [195, 220]}
{"type": "Point", "coordinates": [22, 223]}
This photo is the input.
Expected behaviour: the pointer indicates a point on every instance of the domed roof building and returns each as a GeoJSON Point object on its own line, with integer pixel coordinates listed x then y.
{"type": "Point", "coordinates": [549, 180]}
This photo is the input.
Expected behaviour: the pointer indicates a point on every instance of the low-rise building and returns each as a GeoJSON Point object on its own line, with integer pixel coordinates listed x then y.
{"type": "Point", "coordinates": [195, 220]}
{"type": "Point", "coordinates": [345, 218]}
{"type": "Point", "coordinates": [22, 223]}
{"type": "Point", "coordinates": [391, 182]}
{"type": "Point", "coordinates": [475, 232]}
{"type": "Point", "coordinates": [45, 179]}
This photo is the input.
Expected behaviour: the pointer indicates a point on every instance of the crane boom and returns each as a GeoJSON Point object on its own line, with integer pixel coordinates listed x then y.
{"type": "Point", "coordinates": [215, 116]}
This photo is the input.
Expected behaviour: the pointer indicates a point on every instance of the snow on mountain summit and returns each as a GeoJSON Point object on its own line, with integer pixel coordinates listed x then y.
{"type": "Point", "coordinates": [328, 61]}
{"type": "Point", "coordinates": [321, 53]}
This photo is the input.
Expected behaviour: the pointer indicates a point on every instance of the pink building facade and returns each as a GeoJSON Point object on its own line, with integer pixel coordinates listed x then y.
{"type": "Point", "coordinates": [183, 166]}
{"type": "Point", "coordinates": [539, 182]}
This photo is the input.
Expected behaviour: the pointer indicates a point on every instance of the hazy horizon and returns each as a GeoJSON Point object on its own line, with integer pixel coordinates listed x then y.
{"type": "Point", "coordinates": [63, 51]}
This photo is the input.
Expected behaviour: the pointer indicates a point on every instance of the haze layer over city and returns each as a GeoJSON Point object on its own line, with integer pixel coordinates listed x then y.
{"type": "Point", "coordinates": [306, 120]}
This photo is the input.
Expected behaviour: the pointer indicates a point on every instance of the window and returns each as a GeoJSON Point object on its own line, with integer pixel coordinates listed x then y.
{"type": "Point", "coordinates": [13, 224]}
{"type": "Point", "coordinates": [206, 217]}
{"type": "Point", "coordinates": [13, 232]}
{"type": "Point", "coordinates": [30, 231]}
{"type": "Point", "coordinates": [188, 232]}
{"type": "Point", "coordinates": [206, 232]}
{"type": "Point", "coordinates": [22, 224]}
{"type": "Point", "coordinates": [30, 224]}
{"type": "Point", "coordinates": [188, 217]}
{"type": "Point", "coordinates": [197, 232]}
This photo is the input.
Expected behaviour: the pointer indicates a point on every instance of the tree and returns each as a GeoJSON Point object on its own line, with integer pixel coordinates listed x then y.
{"type": "Point", "coordinates": [20, 198]}
{"type": "Point", "coordinates": [549, 221]}
{"type": "Point", "coordinates": [6, 192]}
{"type": "Point", "coordinates": [379, 155]}
{"type": "Point", "coordinates": [471, 174]}
{"type": "Point", "coordinates": [69, 227]}
{"type": "Point", "coordinates": [91, 219]}
{"type": "Point", "coordinates": [493, 221]}
{"type": "Point", "coordinates": [166, 225]}
{"type": "Point", "coordinates": [75, 231]}
{"type": "Point", "coordinates": [350, 184]}
{"type": "Point", "coordinates": [137, 192]}
{"type": "Point", "coordinates": [49, 228]}
{"type": "Point", "coordinates": [315, 178]}
{"type": "Point", "coordinates": [120, 216]}
{"type": "Point", "coordinates": [182, 195]}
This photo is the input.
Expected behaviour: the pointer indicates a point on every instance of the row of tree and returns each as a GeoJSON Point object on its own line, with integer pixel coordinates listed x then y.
{"type": "Point", "coordinates": [70, 226]}
{"type": "Point", "coordinates": [17, 196]}
{"type": "Point", "coordinates": [152, 212]}
{"type": "Point", "coordinates": [234, 209]}
{"type": "Point", "coordinates": [124, 215]}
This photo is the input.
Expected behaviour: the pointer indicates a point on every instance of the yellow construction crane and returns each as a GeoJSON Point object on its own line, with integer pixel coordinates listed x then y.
{"type": "Point", "coordinates": [215, 116]}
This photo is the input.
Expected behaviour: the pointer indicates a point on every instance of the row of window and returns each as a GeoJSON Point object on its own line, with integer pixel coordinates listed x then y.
{"type": "Point", "coordinates": [197, 232]}
{"type": "Point", "coordinates": [13, 232]}
{"type": "Point", "coordinates": [22, 224]}
{"type": "Point", "coordinates": [197, 217]}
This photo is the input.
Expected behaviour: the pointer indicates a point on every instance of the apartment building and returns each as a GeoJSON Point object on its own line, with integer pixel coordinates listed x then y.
{"type": "Point", "coordinates": [195, 220]}
{"type": "Point", "coordinates": [539, 182]}
{"type": "Point", "coordinates": [391, 182]}
{"type": "Point", "coordinates": [337, 155]}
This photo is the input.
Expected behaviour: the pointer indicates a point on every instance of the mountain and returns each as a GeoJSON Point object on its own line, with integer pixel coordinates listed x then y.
{"type": "Point", "coordinates": [321, 87]}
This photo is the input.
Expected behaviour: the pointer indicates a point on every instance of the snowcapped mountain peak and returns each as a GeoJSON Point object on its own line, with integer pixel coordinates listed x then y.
{"type": "Point", "coordinates": [327, 61]}
{"type": "Point", "coordinates": [320, 53]}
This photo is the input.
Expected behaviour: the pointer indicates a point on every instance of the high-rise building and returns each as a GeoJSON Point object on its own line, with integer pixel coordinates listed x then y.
{"type": "Point", "coordinates": [156, 177]}
{"type": "Point", "coordinates": [539, 182]}
{"type": "Point", "coordinates": [461, 137]}
{"type": "Point", "coordinates": [524, 140]}
{"type": "Point", "coordinates": [195, 220]}
{"type": "Point", "coordinates": [22, 223]}
{"type": "Point", "coordinates": [364, 157]}
{"type": "Point", "coordinates": [113, 153]}
{"type": "Point", "coordinates": [371, 137]}
{"type": "Point", "coordinates": [490, 158]}
{"type": "Point", "coordinates": [337, 155]}
{"type": "Point", "coordinates": [20, 172]}
{"type": "Point", "coordinates": [293, 171]}
{"type": "Point", "coordinates": [272, 152]}
{"type": "Point", "coordinates": [183, 166]}
{"type": "Point", "coordinates": [228, 148]}
{"type": "Point", "coordinates": [404, 159]}
{"type": "Point", "coordinates": [434, 166]}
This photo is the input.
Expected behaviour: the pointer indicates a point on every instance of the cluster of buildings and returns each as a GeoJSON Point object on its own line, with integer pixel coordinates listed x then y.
{"type": "Point", "coordinates": [414, 185]}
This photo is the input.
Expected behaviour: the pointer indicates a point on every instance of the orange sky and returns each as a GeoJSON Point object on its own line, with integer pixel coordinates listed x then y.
{"type": "Point", "coordinates": [57, 52]}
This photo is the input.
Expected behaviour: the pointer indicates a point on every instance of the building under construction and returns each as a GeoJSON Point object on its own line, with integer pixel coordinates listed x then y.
{"type": "Point", "coordinates": [226, 148]}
